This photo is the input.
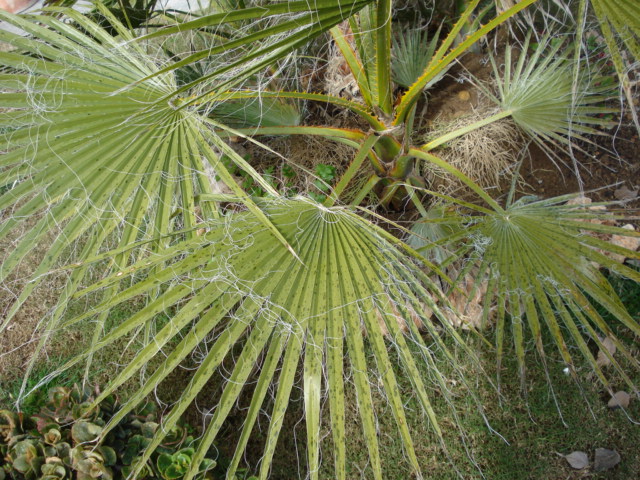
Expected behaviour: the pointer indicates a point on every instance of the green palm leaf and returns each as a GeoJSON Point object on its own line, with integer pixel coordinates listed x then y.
{"type": "Point", "coordinates": [79, 152]}
{"type": "Point", "coordinates": [256, 112]}
{"type": "Point", "coordinates": [538, 92]}
{"type": "Point", "coordinates": [238, 285]}
{"type": "Point", "coordinates": [93, 152]}
{"type": "Point", "coordinates": [624, 17]}
{"type": "Point", "coordinates": [541, 263]}
{"type": "Point", "coordinates": [619, 23]}
{"type": "Point", "coordinates": [288, 25]}
{"type": "Point", "coordinates": [412, 52]}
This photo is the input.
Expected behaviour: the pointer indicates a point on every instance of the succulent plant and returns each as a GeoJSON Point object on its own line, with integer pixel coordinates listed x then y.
{"type": "Point", "coordinates": [27, 458]}
{"type": "Point", "coordinates": [53, 469]}
{"type": "Point", "coordinates": [63, 441]}
{"type": "Point", "coordinates": [176, 465]}
{"type": "Point", "coordinates": [9, 425]}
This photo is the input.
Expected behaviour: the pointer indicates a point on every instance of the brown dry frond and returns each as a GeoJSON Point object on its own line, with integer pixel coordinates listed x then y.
{"type": "Point", "coordinates": [338, 80]}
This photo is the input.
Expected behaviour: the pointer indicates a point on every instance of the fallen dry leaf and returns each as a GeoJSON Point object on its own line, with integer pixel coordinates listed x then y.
{"type": "Point", "coordinates": [603, 359]}
{"type": "Point", "coordinates": [579, 201]}
{"type": "Point", "coordinates": [401, 320]}
{"type": "Point", "coordinates": [619, 400]}
{"type": "Point", "coordinates": [626, 194]}
{"type": "Point", "coordinates": [605, 459]}
{"type": "Point", "coordinates": [469, 308]}
{"type": "Point", "coordinates": [577, 460]}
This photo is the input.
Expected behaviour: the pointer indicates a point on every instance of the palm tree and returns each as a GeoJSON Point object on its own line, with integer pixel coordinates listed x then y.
{"type": "Point", "coordinates": [106, 160]}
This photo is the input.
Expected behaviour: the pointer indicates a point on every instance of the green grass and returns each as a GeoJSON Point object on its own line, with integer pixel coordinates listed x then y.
{"type": "Point", "coordinates": [628, 291]}
{"type": "Point", "coordinates": [10, 387]}
{"type": "Point", "coordinates": [63, 347]}
{"type": "Point", "coordinates": [530, 438]}
{"type": "Point", "coordinates": [534, 429]}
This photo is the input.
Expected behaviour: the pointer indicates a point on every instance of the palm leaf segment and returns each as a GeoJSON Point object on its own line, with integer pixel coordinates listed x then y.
{"type": "Point", "coordinates": [95, 143]}
{"type": "Point", "coordinates": [539, 261]}
{"type": "Point", "coordinates": [624, 17]}
{"type": "Point", "coordinates": [619, 20]}
{"type": "Point", "coordinates": [239, 283]}
{"type": "Point", "coordinates": [290, 24]}
{"type": "Point", "coordinates": [85, 157]}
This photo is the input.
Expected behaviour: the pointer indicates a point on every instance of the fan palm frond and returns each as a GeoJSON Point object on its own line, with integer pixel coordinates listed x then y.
{"type": "Point", "coordinates": [98, 150]}
{"type": "Point", "coordinates": [540, 262]}
{"type": "Point", "coordinates": [412, 52]}
{"type": "Point", "coordinates": [86, 157]}
{"type": "Point", "coordinates": [538, 93]}
{"type": "Point", "coordinates": [239, 285]}
{"type": "Point", "coordinates": [448, 52]}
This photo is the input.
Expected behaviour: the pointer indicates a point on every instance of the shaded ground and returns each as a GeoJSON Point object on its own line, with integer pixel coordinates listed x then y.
{"type": "Point", "coordinates": [527, 441]}
{"type": "Point", "coordinates": [614, 163]}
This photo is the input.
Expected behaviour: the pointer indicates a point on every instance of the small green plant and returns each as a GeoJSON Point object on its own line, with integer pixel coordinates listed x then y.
{"type": "Point", "coordinates": [284, 185]}
{"type": "Point", "coordinates": [288, 172]}
{"type": "Point", "coordinates": [65, 440]}
{"type": "Point", "coordinates": [288, 177]}
{"type": "Point", "coordinates": [326, 175]}
{"type": "Point", "coordinates": [175, 465]}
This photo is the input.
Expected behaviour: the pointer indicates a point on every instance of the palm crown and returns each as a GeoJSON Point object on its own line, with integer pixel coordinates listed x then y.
{"type": "Point", "coordinates": [107, 152]}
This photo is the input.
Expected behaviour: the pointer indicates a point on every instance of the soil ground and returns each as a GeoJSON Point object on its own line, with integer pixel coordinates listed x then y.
{"type": "Point", "coordinates": [605, 163]}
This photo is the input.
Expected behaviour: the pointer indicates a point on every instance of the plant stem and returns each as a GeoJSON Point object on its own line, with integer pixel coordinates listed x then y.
{"type": "Point", "coordinates": [352, 170]}
{"type": "Point", "coordinates": [459, 175]}
{"type": "Point", "coordinates": [464, 130]}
